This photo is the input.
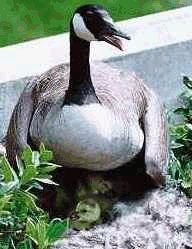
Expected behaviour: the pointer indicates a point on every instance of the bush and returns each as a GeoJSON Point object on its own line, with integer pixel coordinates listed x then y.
{"type": "Point", "coordinates": [23, 224]}
{"type": "Point", "coordinates": [181, 142]}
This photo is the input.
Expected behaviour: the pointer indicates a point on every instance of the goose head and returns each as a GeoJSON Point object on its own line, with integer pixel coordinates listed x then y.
{"type": "Point", "coordinates": [94, 23]}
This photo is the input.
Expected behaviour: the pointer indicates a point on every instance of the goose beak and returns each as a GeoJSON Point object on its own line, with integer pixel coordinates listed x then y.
{"type": "Point", "coordinates": [112, 37]}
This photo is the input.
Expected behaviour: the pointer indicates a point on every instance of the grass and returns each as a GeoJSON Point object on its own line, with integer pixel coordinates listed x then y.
{"type": "Point", "coordinates": [22, 20]}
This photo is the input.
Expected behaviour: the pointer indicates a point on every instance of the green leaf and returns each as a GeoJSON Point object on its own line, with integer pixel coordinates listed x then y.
{"type": "Point", "coordinates": [48, 169]}
{"type": "Point", "coordinates": [7, 171]}
{"type": "Point", "coordinates": [189, 126]}
{"type": "Point", "coordinates": [28, 199]}
{"type": "Point", "coordinates": [56, 229]}
{"type": "Point", "coordinates": [42, 148]}
{"type": "Point", "coordinates": [4, 201]}
{"type": "Point", "coordinates": [35, 158]}
{"type": "Point", "coordinates": [182, 111]}
{"type": "Point", "coordinates": [29, 173]}
{"type": "Point", "coordinates": [46, 155]}
{"type": "Point", "coordinates": [186, 185]}
{"type": "Point", "coordinates": [30, 157]}
{"type": "Point", "coordinates": [27, 156]}
{"type": "Point", "coordinates": [36, 185]}
{"type": "Point", "coordinates": [4, 213]}
{"type": "Point", "coordinates": [47, 181]}
{"type": "Point", "coordinates": [6, 188]}
{"type": "Point", "coordinates": [5, 242]}
{"type": "Point", "coordinates": [31, 230]}
{"type": "Point", "coordinates": [189, 165]}
{"type": "Point", "coordinates": [37, 231]}
{"type": "Point", "coordinates": [175, 145]}
{"type": "Point", "coordinates": [26, 244]}
{"type": "Point", "coordinates": [187, 82]}
{"type": "Point", "coordinates": [178, 132]}
{"type": "Point", "coordinates": [44, 164]}
{"type": "Point", "coordinates": [175, 167]}
{"type": "Point", "coordinates": [20, 166]}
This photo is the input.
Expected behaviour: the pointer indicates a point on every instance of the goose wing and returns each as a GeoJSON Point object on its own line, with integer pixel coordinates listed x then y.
{"type": "Point", "coordinates": [156, 139]}
{"type": "Point", "coordinates": [17, 134]}
{"type": "Point", "coordinates": [39, 94]}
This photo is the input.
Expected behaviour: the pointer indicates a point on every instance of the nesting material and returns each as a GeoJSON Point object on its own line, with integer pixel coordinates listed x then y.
{"type": "Point", "coordinates": [160, 219]}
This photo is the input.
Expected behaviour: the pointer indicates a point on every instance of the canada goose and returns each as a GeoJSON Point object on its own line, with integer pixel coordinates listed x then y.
{"type": "Point", "coordinates": [98, 120]}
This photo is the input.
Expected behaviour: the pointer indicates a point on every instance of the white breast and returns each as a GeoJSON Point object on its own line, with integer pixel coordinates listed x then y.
{"type": "Point", "coordinates": [91, 136]}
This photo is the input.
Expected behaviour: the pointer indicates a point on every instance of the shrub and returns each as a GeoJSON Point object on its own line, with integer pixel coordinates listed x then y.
{"type": "Point", "coordinates": [181, 141]}
{"type": "Point", "coordinates": [23, 224]}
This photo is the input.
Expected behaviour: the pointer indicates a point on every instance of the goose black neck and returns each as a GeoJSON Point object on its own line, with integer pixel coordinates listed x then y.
{"type": "Point", "coordinates": [81, 90]}
{"type": "Point", "coordinates": [79, 61]}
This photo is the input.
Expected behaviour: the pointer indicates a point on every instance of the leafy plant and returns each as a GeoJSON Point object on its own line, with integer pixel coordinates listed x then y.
{"type": "Point", "coordinates": [181, 141]}
{"type": "Point", "coordinates": [22, 223]}
{"type": "Point", "coordinates": [44, 234]}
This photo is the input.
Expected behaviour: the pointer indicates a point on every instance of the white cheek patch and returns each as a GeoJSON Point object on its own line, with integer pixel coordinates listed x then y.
{"type": "Point", "coordinates": [106, 17]}
{"type": "Point", "coordinates": [81, 30]}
